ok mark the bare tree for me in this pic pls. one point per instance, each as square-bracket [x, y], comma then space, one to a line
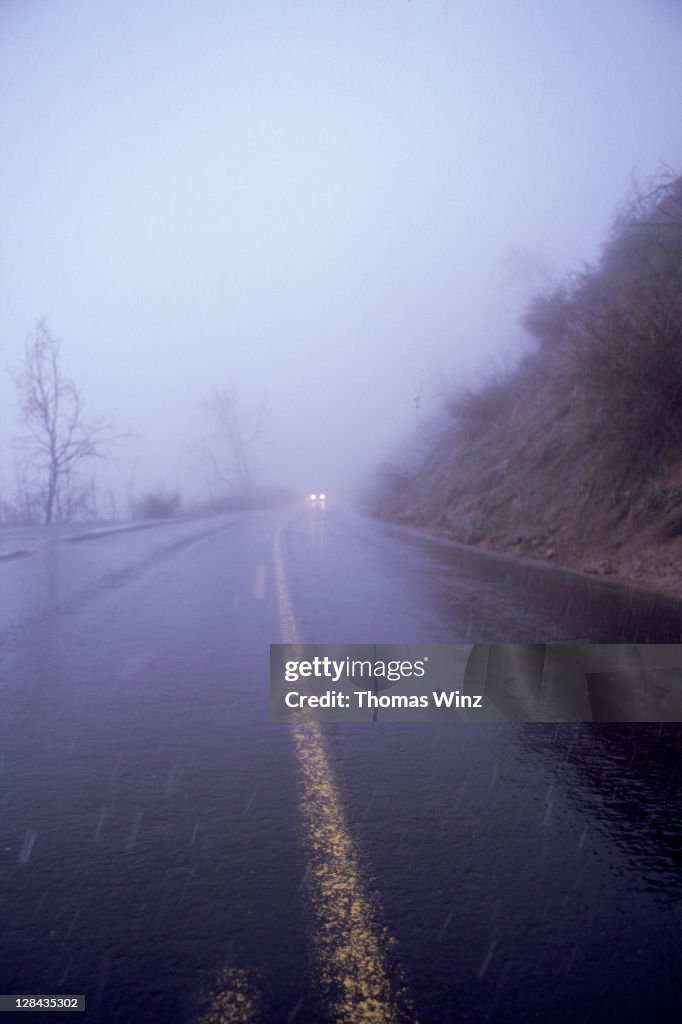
[57, 439]
[229, 453]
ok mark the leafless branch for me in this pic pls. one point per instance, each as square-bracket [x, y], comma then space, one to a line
[57, 438]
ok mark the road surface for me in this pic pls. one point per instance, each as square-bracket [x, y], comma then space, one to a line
[171, 853]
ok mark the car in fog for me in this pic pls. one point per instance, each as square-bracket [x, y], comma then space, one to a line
[317, 500]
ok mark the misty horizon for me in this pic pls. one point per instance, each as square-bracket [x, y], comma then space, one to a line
[335, 214]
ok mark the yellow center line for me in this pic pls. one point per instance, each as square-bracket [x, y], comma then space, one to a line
[349, 943]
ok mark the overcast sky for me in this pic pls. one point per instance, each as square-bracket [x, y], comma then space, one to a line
[323, 206]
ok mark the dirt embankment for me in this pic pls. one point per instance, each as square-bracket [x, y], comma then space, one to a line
[562, 512]
[574, 456]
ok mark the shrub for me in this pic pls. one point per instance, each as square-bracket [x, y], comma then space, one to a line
[476, 411]
[158, 505]
[628, 347]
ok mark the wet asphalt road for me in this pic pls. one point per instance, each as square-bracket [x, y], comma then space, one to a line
[153, 853]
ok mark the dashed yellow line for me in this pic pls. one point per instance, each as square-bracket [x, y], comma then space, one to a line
[287, 619]
[231, 996]
[349, 944]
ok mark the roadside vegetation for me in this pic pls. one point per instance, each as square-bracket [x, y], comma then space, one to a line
[575, 454]
[157, 504]
[59, 444]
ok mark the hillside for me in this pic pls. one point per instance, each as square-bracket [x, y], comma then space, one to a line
[575, 455]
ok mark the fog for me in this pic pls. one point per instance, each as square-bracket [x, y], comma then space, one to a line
[335, 211]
